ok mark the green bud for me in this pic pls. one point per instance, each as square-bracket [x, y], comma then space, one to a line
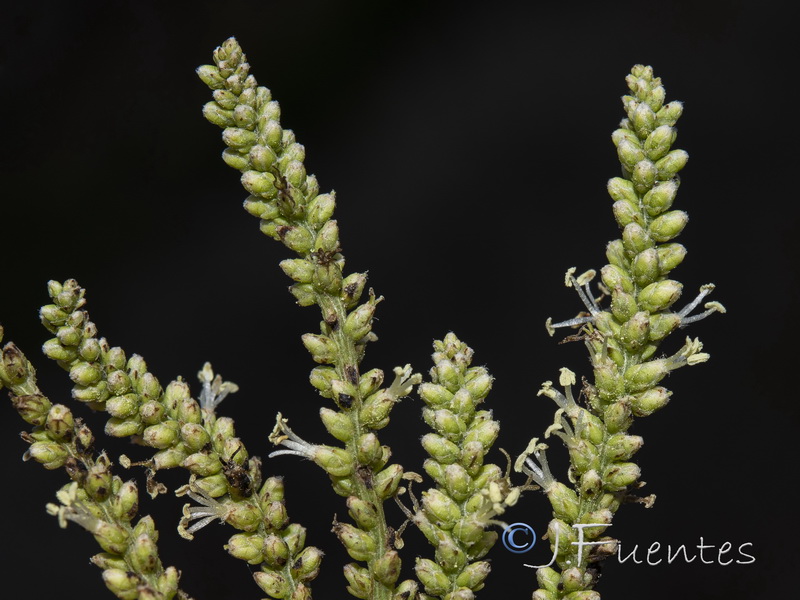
[386, 481]
[645, 267]
[432, 577]
[259, 184]
[359, 322]
[660, 295]
[104, 560]
[434, 395]
[673, 162]
[143, 554]
[670, 256]
[55, 351]
[661, 197]
[202, 464]
[244, 116]
[152, 412]
[473, 575]
[635, 238]
[359, 544]
[298, 269]
[89, 349]
[276, 517]
[188, 411]
[272, 490]
[615, 253]
[442, 510]
[69, 336]
[209, 74]
[608, 380]
[85, 374]
[376, 409]
[217, 115]
[564, 501]
[50, 455]
[615, 277]
[458, 482]
[625, 214]
[359, 579]
[619, 476]
[483, 545]
[440, 449]
[446, 423]
[471, 457]
[634, 333]
[194, 436]
[583, 455]
[641, 377]
[59, 422]
[243, 515]
[237, 138]
[572, 579]
[295, 173]
[661, 325]
[617, 416]
[622, 190]
[590, 483]
[487, 474]
[548, 578]
[322, 348]
[320, 210]
[122, 582]
[623, 305]
[328, 237]
[169, 458]
[34, 408]
[370, 382]
[111, 537]
[658, 143]
[668, 226]
[235, 159]
[649, 401]
[246, 546]
[583, 595]
[213, 485]
[276, 551]
[644, 175]
[386, 569]
[479, 383]
[643, 120]
[352, 288]
[368, 449]
[621, 447]
[338, 424]
[306, 566]
[125, 502]
[163, 435]
[335, 461]
[272, 582]
[565, 534]
[295, 537]
[669, 113]
[98, 480]
[118, 383]
[484, 432]
[364, 513]
[298, 239]
[322, 378]
[630, 154]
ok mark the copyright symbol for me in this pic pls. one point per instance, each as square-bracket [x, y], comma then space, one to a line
[516, 533]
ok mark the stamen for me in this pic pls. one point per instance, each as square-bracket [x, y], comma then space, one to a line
[214, 389]
[282, 435]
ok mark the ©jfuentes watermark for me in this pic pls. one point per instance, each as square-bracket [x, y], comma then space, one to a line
[520, 537]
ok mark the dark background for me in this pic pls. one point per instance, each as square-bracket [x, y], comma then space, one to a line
[469, 147]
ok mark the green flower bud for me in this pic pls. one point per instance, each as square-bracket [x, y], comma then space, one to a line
[442, 450]
[619, 476]
[168, 582]
[623, 305]
[473, 575]
[320, 210]
[359, 544]
[621, 447]
[328, 278]
[434, 395]
[328, 237]
[50, 455]
[209, 74]
[143, 554]
[622, 190]
[634, 333]
[625, 214]
[548, 578]
[188, 411]
[661, 197]
[89, 349]
[669, 113]
[276, 516]
[272, 582]
[615, 277]
[125, 502]
[483, 545]
[660, 295]
[673, 162]
[59, 422]
[645, 267]
[359, 579]
[432, 577]
[484, 432]
[298, 239]
[85, 374]
[608, 380]
[670, 256]
[479, 383]
[194, 436]
[235, 159]
[668, 226]
[649, 401]
[661, 325]
[368, 449]
[298, 269]
[486, 474]
[244, 116]
[152, 412]
[583, 455]
[295, 537]
[443, 511]
[352, 288]
[635, 238]
[644, 175]
[163, 435]
[458, 482]
[169, 458]
[322, 348]
[202, 464]
[643, 120]
[387, 568]
[583, 595]
[364, 513]
[306, 566]
[565, 534]
[98, 480]
[217, 115]
[375, 410]
[213, 485]
[564, 501]
[572, 579]
[34, 408]
[445, 422]
[335, 461]
[123, 407]
[295, 173]
[590, 483]
[338, 424]
[359, 322]
[640, 377]
[617, 416]
[321, 378]
[630, 154]
[386, 481]
[243, 515]
[276, 551]
[615, 253]
[69, 336]
[603, 515]
[55, 351]
[111, 537]
[658, 143]
[259, 184]
[122, 582]
[104, 560]
[237, 138]
[449, 555]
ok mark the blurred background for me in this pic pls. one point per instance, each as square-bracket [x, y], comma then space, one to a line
[469, 146]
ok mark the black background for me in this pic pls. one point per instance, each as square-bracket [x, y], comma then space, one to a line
[469, 147]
